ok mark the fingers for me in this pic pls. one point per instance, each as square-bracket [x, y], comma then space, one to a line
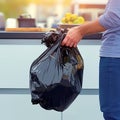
[75, 45]
[64, 41]
[69, 42]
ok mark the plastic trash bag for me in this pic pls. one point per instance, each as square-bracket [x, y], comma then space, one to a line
[56, 75]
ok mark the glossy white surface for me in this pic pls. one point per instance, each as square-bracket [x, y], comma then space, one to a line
[85, 107]
[15, 61]
[19, 107]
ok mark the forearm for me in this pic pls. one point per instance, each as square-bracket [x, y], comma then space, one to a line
[91, 28]
[75, 34]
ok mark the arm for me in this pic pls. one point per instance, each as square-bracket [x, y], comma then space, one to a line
[91, 27]
[109, 20]
[75, 34]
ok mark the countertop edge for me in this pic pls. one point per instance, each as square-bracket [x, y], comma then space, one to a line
[39, 35]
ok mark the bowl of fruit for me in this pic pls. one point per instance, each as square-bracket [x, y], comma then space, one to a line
[71, 20]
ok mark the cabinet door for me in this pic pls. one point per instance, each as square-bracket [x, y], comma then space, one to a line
[90, 54]
[19, 107]
[15, 61]
[85, 107]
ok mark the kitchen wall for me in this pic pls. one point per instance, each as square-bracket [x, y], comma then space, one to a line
[42, 12]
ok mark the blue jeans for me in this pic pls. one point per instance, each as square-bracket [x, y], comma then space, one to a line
[109, 87]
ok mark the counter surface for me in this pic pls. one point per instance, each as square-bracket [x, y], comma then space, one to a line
[37, 35]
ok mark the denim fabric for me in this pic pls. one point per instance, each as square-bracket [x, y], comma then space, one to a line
[109, 87]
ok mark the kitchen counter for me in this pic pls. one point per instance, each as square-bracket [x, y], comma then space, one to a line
[17, 52]
[27, 45]
[34, 38]
[21, 35]
[37, 35]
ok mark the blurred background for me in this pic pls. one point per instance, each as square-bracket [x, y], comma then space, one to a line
[46, 12]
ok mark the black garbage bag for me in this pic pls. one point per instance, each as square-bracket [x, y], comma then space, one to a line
[56, 75]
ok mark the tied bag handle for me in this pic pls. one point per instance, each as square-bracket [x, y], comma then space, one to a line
[51, 49]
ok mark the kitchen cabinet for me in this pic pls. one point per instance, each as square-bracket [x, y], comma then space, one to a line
[19, 107]
[85, 107]
[17, 52]
[15, 61]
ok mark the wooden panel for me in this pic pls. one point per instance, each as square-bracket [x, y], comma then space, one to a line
[27, 29]
[101, 6]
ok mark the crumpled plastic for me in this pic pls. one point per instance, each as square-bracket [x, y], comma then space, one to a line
[56, 76]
